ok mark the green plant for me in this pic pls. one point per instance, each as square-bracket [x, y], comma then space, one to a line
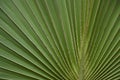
[60, 39]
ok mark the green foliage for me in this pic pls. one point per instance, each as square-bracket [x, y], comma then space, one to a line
[60, 39]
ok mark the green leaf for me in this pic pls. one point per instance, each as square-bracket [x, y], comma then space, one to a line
[59, 39]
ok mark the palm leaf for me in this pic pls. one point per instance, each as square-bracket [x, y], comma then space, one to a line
[59, 39]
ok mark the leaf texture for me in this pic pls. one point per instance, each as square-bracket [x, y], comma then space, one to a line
[59, 39]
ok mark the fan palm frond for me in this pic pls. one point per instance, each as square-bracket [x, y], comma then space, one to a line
[59, 39]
